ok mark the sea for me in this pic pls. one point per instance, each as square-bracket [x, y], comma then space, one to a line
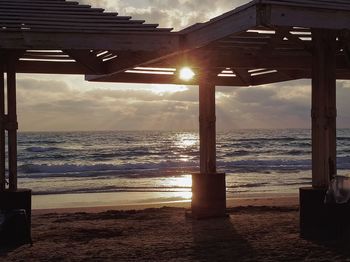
[158, 165]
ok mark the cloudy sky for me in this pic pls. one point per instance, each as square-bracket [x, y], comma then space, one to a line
[56, 103]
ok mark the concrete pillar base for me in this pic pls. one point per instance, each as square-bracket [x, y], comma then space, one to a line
[19, 199]
[208, 195]
[320, 221]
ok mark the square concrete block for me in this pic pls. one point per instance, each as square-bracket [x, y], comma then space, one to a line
[208, 195]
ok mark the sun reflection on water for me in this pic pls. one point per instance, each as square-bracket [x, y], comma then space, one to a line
[183, 183]
[186, 140]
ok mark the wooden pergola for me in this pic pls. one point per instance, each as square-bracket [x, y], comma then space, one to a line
[63, 37]
[264, 41]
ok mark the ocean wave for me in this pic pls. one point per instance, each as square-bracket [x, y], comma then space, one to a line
[40, 149]
[248, 185]
[108, 189]
[65, 168]
[262, 165]
[171, 167]
[276, 139]
[126, 168]
[296, 152]
[238, 153]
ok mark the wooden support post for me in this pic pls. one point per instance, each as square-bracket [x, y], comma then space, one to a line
[324, 111]
[207, 125]
[2, 130]
[12, 125]
[208, 186]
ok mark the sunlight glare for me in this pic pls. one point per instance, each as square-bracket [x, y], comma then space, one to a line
[186, 140]
[186, 74]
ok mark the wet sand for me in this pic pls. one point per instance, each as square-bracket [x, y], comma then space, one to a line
[257, 229]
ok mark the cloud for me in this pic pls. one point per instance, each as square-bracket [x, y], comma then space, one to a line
[176, 14]
[54, 105]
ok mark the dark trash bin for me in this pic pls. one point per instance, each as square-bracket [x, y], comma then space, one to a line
[14, 227]
[320, 220]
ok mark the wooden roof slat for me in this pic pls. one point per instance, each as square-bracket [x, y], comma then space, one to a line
[43, 53]
[75, 25]
[40, 4]
[40, 15]
[45, 8]
[68, 20]
[55, 11]
[48, 17]
[58, 6]
[32, 57]
[86, 31]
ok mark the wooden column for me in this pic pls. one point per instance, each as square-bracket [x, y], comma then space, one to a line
[208, 186]
[207, 125]
[12, 125]
[2, 130]
[324, 111]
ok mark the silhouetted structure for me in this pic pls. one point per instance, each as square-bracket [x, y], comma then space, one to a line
[60, 37]
[264, 41]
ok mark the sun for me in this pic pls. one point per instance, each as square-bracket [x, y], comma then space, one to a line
[186, 74]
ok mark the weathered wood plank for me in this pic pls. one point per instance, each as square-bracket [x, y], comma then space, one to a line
[12, 125]
[220, 28]
[306, 17]
[323, 109]
[122, 41]
[41, 67]
[2, 129]
[207, 123]
[321, 4]
[30, 17]
[95, 16]
[106, 31]
[160, 79]
[92, 64]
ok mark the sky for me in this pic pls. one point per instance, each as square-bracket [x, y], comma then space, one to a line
[68, 103]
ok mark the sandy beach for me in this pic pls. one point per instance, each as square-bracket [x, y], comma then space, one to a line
[257, 229]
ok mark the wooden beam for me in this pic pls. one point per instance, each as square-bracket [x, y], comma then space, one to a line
[160, 79]
[247, 60]
[243, 75]
[12, 124]
[276, 77]
[323, 109]
[46, 67]
[92, 64]
[123, 41]
[127, 60]
[207, 123]
[2, 130]
[304, 16]
[221, 27]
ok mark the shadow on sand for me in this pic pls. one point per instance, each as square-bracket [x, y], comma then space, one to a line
[218, 240]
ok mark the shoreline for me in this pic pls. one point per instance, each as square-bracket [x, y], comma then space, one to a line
[251, 199]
